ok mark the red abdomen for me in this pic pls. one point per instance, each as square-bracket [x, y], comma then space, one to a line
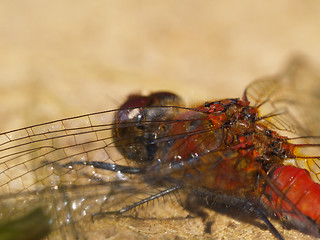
[299, 188]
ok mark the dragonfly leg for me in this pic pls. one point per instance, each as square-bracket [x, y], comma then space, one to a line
[139, 203]
[251, 208]
[194, 206]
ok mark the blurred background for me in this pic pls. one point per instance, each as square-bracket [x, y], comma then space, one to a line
[64, 58]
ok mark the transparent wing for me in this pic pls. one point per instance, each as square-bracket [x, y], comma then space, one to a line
[32, 167]
[293, 95]
[36, 170]
[33, 157]
[289, 103]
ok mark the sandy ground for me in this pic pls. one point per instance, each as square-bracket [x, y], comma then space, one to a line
[63, 58]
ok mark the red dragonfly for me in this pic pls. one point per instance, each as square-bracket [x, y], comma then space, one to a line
[259, 154]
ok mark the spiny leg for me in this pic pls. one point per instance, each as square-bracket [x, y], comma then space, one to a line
[139, 203]
[194, 206]
[251, 208]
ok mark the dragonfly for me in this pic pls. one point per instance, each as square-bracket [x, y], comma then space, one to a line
[259, 154]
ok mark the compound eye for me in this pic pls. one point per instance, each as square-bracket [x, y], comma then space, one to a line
[165, 98]
[155, 99]
[132, 108]
[136, 106]
[136, 101]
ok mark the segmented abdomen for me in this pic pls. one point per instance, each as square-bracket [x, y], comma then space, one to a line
[299, 188]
